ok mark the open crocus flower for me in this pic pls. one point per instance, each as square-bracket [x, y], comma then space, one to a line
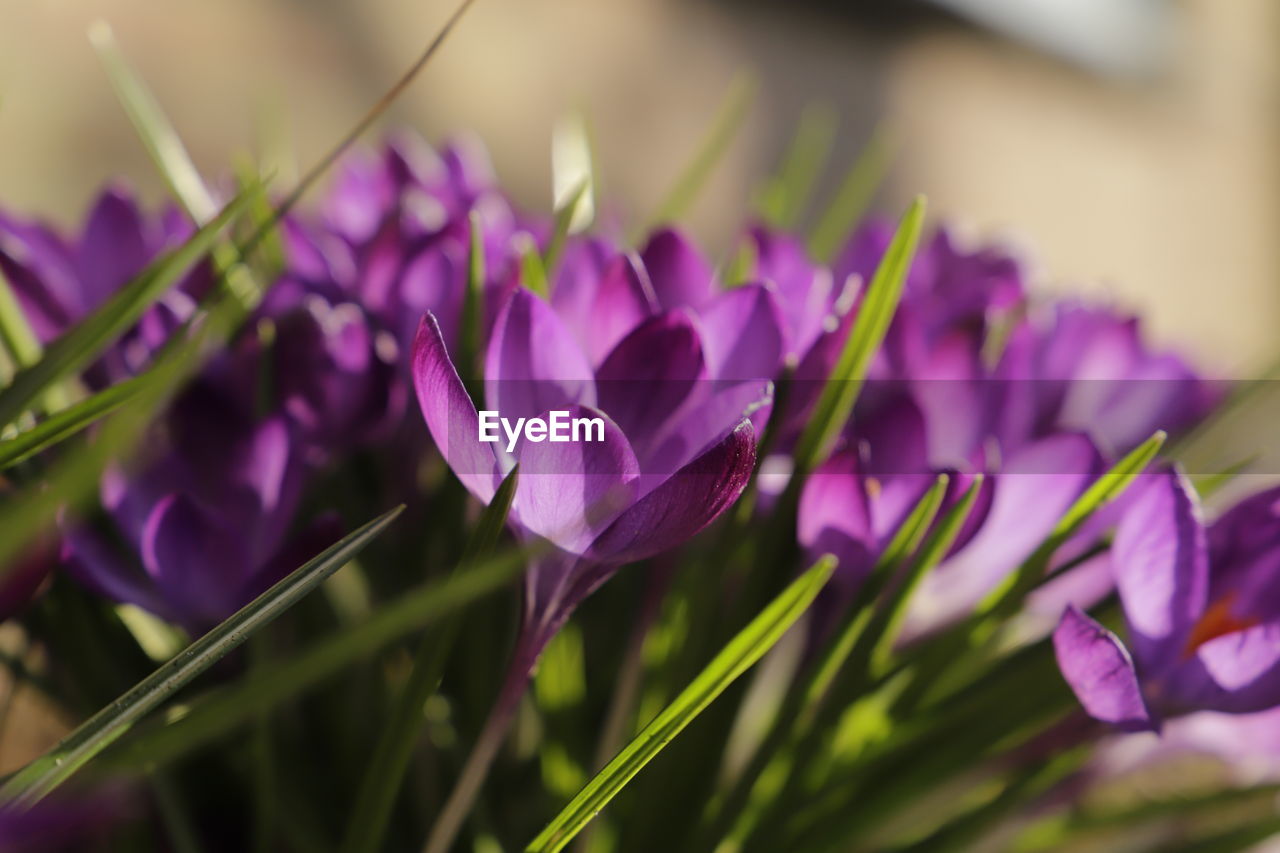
[673, 449]
[1201, 607]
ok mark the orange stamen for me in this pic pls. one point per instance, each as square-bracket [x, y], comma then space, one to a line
[1217, 621]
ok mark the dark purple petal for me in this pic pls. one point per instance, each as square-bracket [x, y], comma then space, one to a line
[698, 426]
[450, 415]
[645, 381]
[1098, 668]
[113, 248]
[198, 564]
[691, 499]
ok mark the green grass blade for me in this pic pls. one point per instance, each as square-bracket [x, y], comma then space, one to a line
[382, 780]
[724, 128]
[852, 199]
[171, 159]
[736, 658]
[1006, 598]
[879, 303]
[533, 274]
[153, 127]
[46, 773]
[237, 705]
[68, 422]
[16, 334]
[90, 336]
[564, 217]
[782, 199]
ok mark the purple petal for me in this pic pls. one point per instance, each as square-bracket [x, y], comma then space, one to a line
[1031, 493]
[571, 490]
[704, 423]
[195, 562]
[743, 334]
[834, 517]
[100, 568]
[533, 365]
[1242, 668]
[114, 247]
[1099, 671]
[1161, 568]
[806, 292]
[645, 381]
[450, 415]
[691, 499]
[681, 277]
[624, 299]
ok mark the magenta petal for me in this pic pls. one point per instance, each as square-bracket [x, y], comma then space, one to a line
[1161, 569]
[451, 416]
[533, 365]
[570, 491]
[91, 561]
[691, 499]
[743, 334]
[704, 423]
[1100, 672]
[681, 277]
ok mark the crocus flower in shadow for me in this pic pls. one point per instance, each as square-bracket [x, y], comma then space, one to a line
[1201, 607]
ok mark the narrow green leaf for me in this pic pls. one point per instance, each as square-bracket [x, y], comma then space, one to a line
[171, 159]
[68, 421]
[40, 777]
[737, 814]
[236, 705]
[532, 274]
[153, 127]
[377, 796]
[16, 334]
[736, 658]
[87, 339]
[852, 199]
[878, 305]
[1006, 597]
[891, 610]
[564, 216]
[724, 127]
[782, 199]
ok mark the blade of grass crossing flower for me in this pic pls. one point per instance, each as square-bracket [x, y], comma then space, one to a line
[1007, 597]
[782, 199]
[891, 609]
[736, 658]
[853, 198]
[237, 704]
[368, 825]
[879, 304]
[724, 127]
[31, 784]
[19, 342]
[733, 819]
[88, 338]
[68, 421]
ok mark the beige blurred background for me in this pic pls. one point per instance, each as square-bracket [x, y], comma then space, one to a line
[1146, 171]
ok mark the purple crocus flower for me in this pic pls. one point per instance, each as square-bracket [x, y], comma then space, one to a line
[676, 448]
[1201, 607]
[206, 522]
[59, 281]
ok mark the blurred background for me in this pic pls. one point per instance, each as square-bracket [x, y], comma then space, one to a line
[1128, 147]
